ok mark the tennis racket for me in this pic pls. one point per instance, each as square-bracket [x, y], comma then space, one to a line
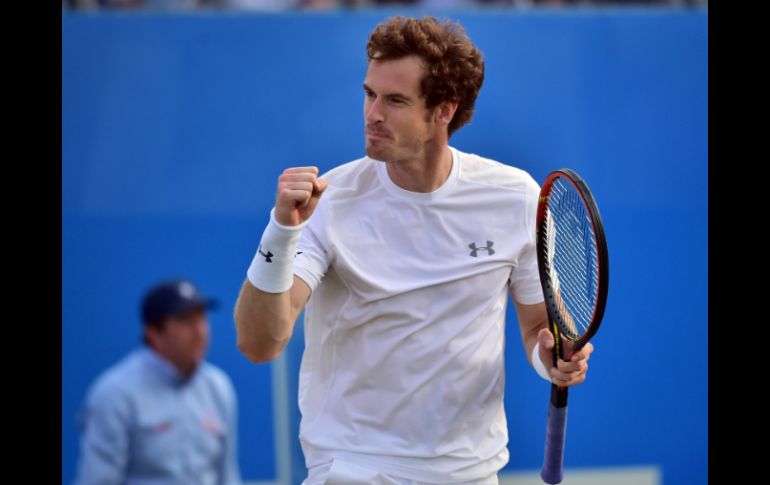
[573, 263]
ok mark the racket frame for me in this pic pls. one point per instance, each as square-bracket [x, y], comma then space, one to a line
[603, 261]
[553, 462]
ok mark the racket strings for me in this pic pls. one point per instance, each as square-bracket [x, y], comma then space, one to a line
[572, 257]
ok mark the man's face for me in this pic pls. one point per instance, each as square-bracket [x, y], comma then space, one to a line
[183, 339]
[398, 125]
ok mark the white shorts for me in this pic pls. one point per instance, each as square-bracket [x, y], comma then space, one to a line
[340, 472]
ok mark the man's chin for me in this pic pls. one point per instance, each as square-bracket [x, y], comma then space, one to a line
[375, 153]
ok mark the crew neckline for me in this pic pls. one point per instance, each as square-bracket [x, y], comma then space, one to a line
[444, 189]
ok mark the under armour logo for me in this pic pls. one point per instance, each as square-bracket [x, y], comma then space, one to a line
[267, 256]
[487, 248]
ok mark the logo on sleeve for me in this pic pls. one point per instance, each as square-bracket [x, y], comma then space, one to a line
[475, 249]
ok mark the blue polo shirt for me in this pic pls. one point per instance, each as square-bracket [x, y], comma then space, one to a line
[144, 424]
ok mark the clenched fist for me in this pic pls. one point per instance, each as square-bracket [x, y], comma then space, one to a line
[299, 190]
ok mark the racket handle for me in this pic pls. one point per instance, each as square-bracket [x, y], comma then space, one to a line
[553, 462]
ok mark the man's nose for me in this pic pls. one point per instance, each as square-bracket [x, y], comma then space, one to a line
[373, 111]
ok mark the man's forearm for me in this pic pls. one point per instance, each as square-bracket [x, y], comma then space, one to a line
[264, 322]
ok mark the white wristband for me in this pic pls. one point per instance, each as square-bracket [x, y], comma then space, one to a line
[272, 269]
[538, 364]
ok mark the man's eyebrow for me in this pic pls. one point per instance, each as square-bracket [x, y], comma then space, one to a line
[390, 95]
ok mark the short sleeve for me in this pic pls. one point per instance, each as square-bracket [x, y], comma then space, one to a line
[312, 259]
[525, 277]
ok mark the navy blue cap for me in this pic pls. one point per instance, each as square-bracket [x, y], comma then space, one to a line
[172, 298]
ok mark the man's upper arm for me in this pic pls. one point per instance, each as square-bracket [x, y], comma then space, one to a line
[312, 260]
[531, 318]
[104, 441]
[299, 294]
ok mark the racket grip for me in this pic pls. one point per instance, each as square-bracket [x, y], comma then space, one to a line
[553, 462]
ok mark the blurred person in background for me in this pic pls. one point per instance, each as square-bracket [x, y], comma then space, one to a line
[163, 415]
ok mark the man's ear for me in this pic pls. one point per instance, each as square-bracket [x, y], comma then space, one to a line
[151, 335]
[445, 112]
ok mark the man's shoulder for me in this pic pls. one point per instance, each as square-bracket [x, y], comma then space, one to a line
[352, 176]
[348, 168]
[486, 171]
[217, 378]
[214, 372]
[118, 381]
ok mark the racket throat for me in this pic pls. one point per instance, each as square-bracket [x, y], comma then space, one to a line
[558, 396]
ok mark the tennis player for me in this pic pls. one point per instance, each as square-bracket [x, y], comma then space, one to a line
[405, 259]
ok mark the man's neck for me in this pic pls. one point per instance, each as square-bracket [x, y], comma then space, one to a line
[423, 175]
[184, 371]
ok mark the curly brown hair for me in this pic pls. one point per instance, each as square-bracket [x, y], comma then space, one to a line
[455, 67]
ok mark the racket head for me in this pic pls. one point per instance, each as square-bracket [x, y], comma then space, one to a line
[572, 256]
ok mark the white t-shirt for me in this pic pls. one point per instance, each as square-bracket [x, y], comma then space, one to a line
[404, 331]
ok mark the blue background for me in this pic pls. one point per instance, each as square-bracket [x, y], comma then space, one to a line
[175, 128]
